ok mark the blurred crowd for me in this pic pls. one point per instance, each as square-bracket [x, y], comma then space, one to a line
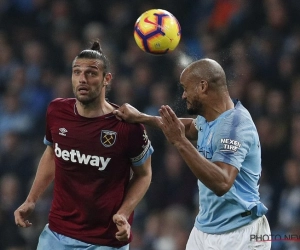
[258, 44]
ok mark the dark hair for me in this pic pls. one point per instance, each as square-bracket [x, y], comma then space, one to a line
[95, 52]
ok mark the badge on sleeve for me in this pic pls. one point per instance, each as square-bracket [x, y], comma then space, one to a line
[230, 145]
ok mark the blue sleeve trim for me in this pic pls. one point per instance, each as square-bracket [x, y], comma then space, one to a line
[146, 155]
[46, 142]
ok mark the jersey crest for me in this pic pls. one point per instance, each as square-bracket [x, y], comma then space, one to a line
[108, 138]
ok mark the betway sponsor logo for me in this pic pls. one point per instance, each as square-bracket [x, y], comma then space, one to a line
[76, 156]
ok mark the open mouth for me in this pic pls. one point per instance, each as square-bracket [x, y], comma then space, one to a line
[83, 90]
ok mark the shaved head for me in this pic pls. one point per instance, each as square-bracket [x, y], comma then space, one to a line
[204, 88]
[205, 69]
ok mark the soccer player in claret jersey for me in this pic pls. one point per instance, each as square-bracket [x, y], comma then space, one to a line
[101, 165]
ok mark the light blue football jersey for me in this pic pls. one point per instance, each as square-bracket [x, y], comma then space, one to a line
[233, 139]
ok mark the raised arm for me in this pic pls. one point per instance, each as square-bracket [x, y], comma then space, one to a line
[130, 114]
[217, 176]
[44, 176]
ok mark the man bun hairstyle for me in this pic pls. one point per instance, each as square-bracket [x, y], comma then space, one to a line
[96, 46]
[95, 52]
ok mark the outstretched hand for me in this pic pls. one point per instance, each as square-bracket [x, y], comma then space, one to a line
[171, 126]
[22, 213]
[127, 113]
[123, 226]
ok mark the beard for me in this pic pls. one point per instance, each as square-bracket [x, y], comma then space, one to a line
[88, 99]
[196, 108]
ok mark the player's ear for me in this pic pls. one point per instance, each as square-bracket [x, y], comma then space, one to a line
[107, 78]
[203, 85]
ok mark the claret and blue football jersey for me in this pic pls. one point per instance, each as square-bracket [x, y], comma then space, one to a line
[93, 158]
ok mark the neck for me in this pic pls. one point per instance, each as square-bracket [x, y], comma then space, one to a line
[219, 107]
[93, 109]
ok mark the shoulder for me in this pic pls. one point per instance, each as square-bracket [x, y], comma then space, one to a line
[135, 127]
[237, 123]
[134, 132]
[61, 103]
[239, 116]
[241, 110]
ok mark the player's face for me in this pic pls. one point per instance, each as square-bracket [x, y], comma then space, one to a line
[87, 80]
[190, 95]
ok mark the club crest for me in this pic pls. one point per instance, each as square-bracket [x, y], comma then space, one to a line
[108, 138]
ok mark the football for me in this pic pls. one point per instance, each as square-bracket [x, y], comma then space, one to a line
[157, 32]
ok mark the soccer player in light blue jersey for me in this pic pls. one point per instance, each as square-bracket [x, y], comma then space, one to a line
[226, 162]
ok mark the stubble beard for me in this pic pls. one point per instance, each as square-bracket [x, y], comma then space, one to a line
[89, 99]
[196, 108]
[86, 101]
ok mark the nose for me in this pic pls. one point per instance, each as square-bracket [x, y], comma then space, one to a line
[183, 95]
[82, 78]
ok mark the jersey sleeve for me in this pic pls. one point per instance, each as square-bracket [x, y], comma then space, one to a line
[48, 136]
[233, 141]
[139, 145]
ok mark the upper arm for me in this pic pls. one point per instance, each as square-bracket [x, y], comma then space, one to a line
[47, 163]
[190, 130]
[234, 141]
[140, 151]
[48, 155]
[230, 172]
[139, 146]
[44, 175]
[144, 169]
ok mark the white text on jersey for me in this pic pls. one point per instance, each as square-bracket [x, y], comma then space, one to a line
[76, 156]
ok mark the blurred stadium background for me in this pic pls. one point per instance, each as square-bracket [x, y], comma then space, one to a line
[258, 44]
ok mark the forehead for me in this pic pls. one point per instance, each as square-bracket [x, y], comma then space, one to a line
[87, 63]
[184, 77]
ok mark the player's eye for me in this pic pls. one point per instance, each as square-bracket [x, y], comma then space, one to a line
[92, 73]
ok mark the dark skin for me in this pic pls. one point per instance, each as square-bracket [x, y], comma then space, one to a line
[206, 94]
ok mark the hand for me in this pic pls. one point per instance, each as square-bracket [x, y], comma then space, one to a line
[127, 113]
[171, 126]
[22, 213]
[123, 226]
